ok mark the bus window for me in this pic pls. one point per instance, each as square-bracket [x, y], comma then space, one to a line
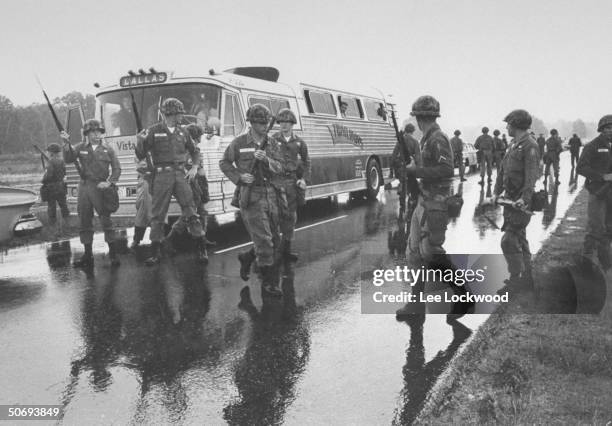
[375, 111]
[273, 104]
[354, 109]
[201, 103]
[233, 123]
[320, 102]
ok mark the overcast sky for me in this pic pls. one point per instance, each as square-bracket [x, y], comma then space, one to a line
[480, 58]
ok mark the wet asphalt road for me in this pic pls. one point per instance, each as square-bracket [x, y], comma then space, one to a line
[170, 343]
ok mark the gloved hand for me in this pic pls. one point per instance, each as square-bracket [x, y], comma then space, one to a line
[104, 185]
[301, 183]
[191, 174]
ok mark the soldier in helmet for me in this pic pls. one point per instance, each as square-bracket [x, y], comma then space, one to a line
[554, 147]
[255, 170]
[169, 144]
[457, 145]
[53, 180]
[484, 144]
[411, 146]
[574, 146]
[499, 149]
[595, 164]
[516, 181]
[95, 158]
[295, 176]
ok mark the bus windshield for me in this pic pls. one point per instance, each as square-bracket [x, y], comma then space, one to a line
[201, 102]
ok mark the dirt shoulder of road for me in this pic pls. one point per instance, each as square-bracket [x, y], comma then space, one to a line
[534, 368]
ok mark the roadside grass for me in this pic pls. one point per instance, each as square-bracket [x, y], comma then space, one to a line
[534, 368]
[20, 169]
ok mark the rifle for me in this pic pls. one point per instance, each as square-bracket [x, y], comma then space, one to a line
[60, 129]
[408, 183]
[247, 188]
[43, 156]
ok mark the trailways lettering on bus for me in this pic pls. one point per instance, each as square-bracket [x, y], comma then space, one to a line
[342, 134]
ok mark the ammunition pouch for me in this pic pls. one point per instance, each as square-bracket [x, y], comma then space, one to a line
[539, 200]
[454, 204]
[236, 197]
[110, 199]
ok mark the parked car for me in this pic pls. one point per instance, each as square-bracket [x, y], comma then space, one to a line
[470, 158]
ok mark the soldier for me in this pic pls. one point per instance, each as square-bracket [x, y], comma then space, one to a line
[295, 176]
[595, 164]
[457, 145]
[484, 144]
[541, 145]
[253, 170]
[94, 158]
[143, 203]
[411, 146]
[199, 187]
[516, 180]
[53, 180]
[169, 144]
[499, 149]
[574, 146]
[554, 148]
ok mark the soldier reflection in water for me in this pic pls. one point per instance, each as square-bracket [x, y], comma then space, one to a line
[150, 322]
[272, 364]
[420, 376]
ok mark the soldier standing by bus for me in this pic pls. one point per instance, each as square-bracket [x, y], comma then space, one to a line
[294, 179]
[484, 144]
[457, 145]
[253, 169]
[143, 203]
[516, 181]
[595, 164]
[94, 158]
[169, 144]
[53, 180]
[554, 148]
[411, 146]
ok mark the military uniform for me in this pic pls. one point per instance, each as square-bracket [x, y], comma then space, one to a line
[292, 151]
[53, 180]
[411, 146]
[143, 203]
[499, 149]
[574, 146]
[554, 148]
[430, 217]
[541, 145]
[594, 163]
[95, 162]
[258, 205]
[516, 179]
[457, 146]
[484, 144]
[168, 150]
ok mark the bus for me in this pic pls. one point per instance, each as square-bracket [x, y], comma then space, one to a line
[350, 152]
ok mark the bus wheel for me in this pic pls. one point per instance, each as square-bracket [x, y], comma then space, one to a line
[372, 179]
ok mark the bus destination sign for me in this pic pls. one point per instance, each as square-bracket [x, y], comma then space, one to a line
[140, 79]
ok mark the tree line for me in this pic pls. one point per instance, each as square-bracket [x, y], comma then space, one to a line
[21, 127]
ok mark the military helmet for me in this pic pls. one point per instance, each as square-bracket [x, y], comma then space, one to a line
[258, 113]
[195, 131]
[54, 148]
[172, 106]
[496, 132]
[409, 128]
[606, 120]
[485, 129]
[91, 125]
[426, 106]
[286, 114]
[554, 132]
[519, 118]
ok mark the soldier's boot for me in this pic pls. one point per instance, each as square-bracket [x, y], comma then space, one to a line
[112, 254]
[246, 260]
[156, 255]
[287, 254]
[269, 281]
[202, 252]
[86, 260]
[139, 232]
